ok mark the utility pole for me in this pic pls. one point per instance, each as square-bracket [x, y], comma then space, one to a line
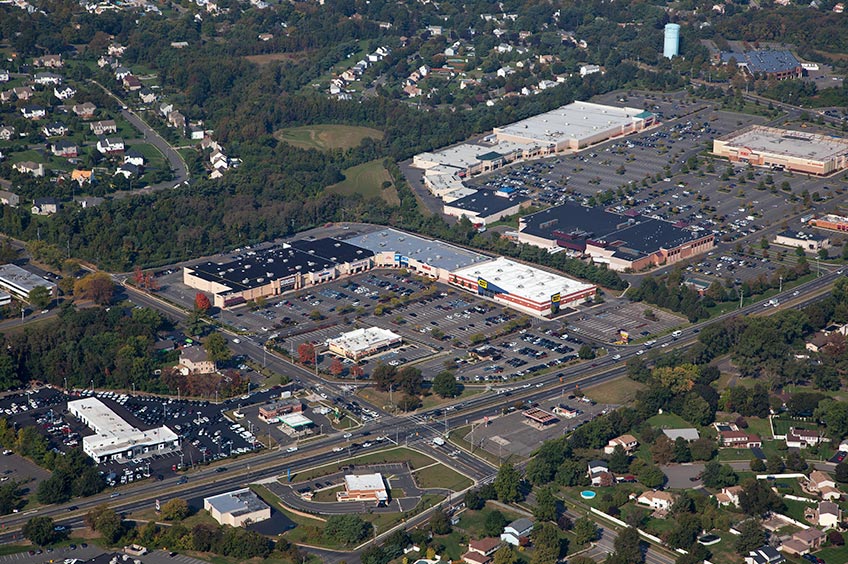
[781, 284]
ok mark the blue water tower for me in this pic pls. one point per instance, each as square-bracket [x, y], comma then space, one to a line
[671, 45]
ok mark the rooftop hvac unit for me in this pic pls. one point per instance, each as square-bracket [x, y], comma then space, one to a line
[260, 280]
[269, 275]
[270, 260]
[337, 245]
[245, 281]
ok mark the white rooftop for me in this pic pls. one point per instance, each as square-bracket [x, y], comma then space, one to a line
[364, 339]
[23, 279]
[522, 280]
[689, 434]
[295, 420]
[577, 120]
[112, 432]
[788, 143]
[367, 482]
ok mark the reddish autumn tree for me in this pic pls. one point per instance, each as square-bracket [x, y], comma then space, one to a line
[150, 281]
[201, 302]
[356, 371]
[139, 277]
[306, 353]
[336, 367]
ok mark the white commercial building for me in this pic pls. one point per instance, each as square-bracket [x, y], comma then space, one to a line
[360, 343]
[364, 487]
[575, 126]
[20, 282]
[114, 438]
[237, 508]
[522, 287]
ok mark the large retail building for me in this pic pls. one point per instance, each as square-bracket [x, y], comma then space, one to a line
[623, 242]
[784, 149]
[525, 288]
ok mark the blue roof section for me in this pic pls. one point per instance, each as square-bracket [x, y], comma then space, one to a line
[763, 61]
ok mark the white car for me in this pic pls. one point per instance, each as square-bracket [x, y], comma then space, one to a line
[347, 435]
[291, 449]
[338, 449]
[616, 357]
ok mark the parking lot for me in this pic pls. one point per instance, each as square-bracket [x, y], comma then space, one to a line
[606, 322]
[512, 433]
[206, 434]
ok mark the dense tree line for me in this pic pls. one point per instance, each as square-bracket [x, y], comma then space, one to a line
[113, 348]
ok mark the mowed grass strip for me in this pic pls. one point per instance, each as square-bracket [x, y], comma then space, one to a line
[327, 137]
[366, 179]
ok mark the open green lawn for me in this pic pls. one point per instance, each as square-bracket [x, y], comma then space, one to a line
[473, 522]
[367, 179]
[620, 391]
[153, 157]
[427, 471]
[669, 421]
[327, 137]
[834, 554]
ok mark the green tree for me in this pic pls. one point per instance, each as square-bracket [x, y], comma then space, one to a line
[440, 523]
[586, 352]
[505, 555]
[217, 348]
[842, 472]
[834, 414]
[346, 529]
[195, 325]
[10, 497]
[628, 549]
[619, 462]
[445, 385]
[546, 505]
[40, 297]
[757, 498]
[717, 475]
[585, 531]
[105, 521]
[548, 547]
[175, 510]
[703, 449]
[682, 454]
[751, 536]
[494, 523]
[651, 476]
[40, 531]
[775, 464]
[508, 484]
[662, 451]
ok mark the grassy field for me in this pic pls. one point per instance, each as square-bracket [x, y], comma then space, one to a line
[428, 402]
[327, 137]
[266, 58]
[473, 522]
[367, 179]
[432, 474]
[153, 157]
[669, 421]
[620, 391]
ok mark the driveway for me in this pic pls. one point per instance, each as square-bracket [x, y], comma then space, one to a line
[679, 475]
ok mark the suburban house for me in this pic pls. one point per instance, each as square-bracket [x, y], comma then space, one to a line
[82, 176]
[85, 110]
[729, 496]
[803, 542]
[110, 145]
[481, 551]
[656, 500]
[49, 61]
[476, 558]
[132, 83]
[823, 484]
[45, 206]
[599, 473]
[177, 120]
[194, 360]
[740, 439]
[486, 546]
[64, 149]
[55, 129]
[127, 170]
[4, 75]
[818, 342]
[29, 167]
[802, 438]
[518, 532]
[627, 442]
[147, 95]
[33, 112]
[122, 72]
[765, 555]
[688, 434]
[103, 127]
[166, 108]
[47, 78]
[827, 515]
[196, 133]
[9, 198]
[64, 92]
[133, 156]
[23, 92]
[6, 132]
